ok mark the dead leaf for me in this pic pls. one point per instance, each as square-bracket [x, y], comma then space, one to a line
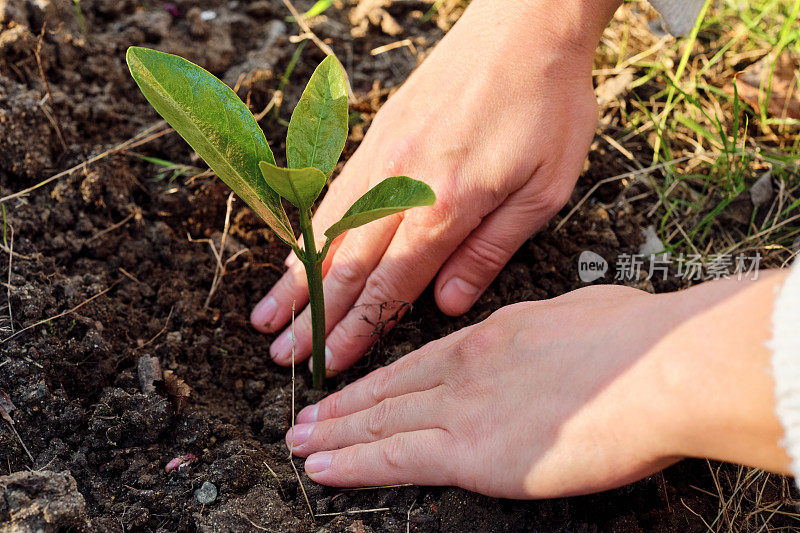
[177, 390]
[752, 84]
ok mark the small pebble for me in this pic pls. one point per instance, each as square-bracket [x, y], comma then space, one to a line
[206, 494]
[208, 15]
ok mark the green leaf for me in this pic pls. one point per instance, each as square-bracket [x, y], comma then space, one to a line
[316, 9]
[318, 127]
[390, 196]
[301, 186]
[216, 124]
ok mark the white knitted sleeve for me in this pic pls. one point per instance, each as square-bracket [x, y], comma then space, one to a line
[785, 347]
[679, 15]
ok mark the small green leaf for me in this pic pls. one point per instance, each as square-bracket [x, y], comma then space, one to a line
[301, 186]
[318, 127]
[390, 196]
[216, 124]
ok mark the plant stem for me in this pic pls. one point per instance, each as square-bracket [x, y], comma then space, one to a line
[316, 298]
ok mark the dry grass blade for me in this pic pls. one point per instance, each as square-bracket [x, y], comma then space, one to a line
[408, 516]
[277, 479]
[37, 53]
[393, 46]
[356, 511]
[276, 100]
[160, 332]
[10, 246]
[352, 489]
[111, 228]
[291, 459]
[222, 265]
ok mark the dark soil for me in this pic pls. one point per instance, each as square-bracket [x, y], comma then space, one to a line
[100, 444]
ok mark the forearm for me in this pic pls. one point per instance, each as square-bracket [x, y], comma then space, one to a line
[716, 368]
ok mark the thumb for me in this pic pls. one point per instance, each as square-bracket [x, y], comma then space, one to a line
[484, 253]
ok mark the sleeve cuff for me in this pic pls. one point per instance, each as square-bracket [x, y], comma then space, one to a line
[679, 15]
[785, 347]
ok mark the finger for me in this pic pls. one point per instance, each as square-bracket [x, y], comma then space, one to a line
[402, 274]
[349, 267]
[419, 457]
[481, 257]
[418, 371]
[409, 412]
[275, 309]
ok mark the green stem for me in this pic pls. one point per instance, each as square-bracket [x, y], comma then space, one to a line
[316, 298]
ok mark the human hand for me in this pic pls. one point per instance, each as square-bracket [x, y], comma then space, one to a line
[582, 393]
[498, 124]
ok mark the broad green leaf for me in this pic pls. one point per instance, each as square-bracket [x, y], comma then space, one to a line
[301, 186]
[318, 128]
[390, 196]
[216, 124]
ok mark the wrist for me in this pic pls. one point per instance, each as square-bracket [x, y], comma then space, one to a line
[717, 373]
[568, 28]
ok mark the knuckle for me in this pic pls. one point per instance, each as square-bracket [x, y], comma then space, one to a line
[347, 269]
[481, 340]
[378, 389]
[485, 253]
[344, 341]
[380, 288]
[331, 406]
[399, 155]
[393, 452]
[554, 196]
[377, 418]
[324, 432]
[434, 221]
[346, 463]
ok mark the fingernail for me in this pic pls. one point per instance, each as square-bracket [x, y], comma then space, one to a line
[298, 435]
[264, 312]
[318, 462]
[308, 414]
[460, 293]
[281, 348]
[291, 260]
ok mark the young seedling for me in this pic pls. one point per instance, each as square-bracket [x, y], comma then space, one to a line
[220, 128]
